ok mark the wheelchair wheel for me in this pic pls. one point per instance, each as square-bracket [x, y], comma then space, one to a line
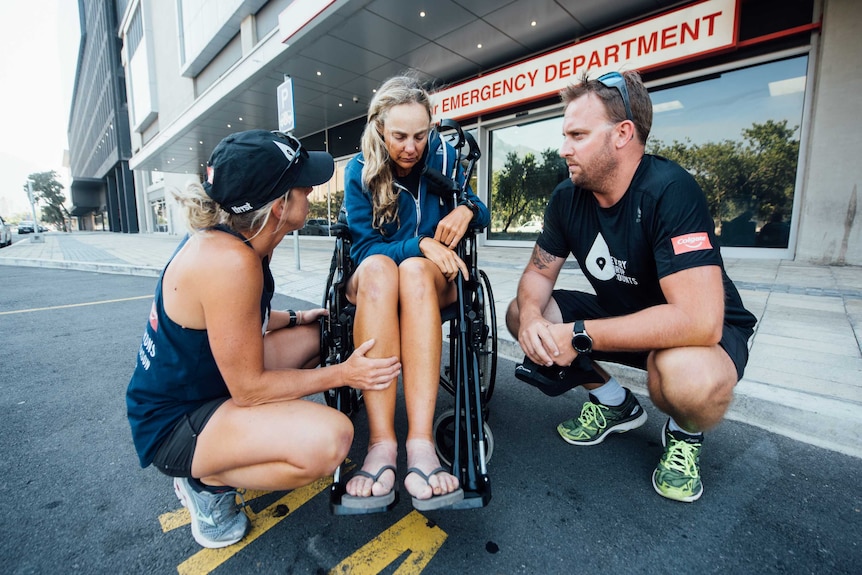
[444, 438]
[484, 340]
[486, 346]
[336, 330]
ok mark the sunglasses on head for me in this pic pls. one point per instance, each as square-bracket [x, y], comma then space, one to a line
[296, 148]
[615, 80]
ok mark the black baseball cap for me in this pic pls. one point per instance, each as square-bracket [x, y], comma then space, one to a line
[247, 170]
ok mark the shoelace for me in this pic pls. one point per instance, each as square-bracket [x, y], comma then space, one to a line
[592, 416]
[229, 507]
[681, 456]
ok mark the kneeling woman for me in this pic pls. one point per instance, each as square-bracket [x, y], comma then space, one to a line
[403, 242]
[215, 399]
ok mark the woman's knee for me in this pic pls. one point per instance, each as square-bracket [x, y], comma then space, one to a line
[332, 443]
[376, 278]
[417, 279]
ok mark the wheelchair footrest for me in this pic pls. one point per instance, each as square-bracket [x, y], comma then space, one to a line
[475, 498]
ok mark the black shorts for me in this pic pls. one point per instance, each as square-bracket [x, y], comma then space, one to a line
[576, 305]
[175, 454]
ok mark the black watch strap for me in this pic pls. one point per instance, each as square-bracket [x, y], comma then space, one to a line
[581, 341]
[470, 204]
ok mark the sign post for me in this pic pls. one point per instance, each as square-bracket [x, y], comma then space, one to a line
[37, 235]
[286, 124]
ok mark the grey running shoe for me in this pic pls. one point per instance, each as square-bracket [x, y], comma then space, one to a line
[677, 475]
[217, 520]
[597, 421]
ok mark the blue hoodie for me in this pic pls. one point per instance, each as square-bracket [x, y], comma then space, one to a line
[418, 217]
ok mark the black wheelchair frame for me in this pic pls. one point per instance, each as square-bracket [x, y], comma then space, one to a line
[463, 439]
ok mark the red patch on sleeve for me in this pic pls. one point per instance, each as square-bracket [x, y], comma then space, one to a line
[691, 243]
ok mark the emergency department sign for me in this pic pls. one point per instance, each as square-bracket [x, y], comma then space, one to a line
[284, 94]
[693, 31]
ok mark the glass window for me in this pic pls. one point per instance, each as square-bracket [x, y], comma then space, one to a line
[160, 216]
[738, 134]
[525, 166]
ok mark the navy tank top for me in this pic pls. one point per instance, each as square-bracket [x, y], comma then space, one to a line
[175, 371]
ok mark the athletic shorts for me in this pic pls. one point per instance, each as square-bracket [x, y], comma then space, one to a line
[576, 305]
[175, 454]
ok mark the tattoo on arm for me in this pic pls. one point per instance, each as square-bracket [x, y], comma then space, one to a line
[541, 258]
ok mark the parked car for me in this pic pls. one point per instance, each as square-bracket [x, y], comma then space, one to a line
[5, 234]
[315, 227]
[531, 227]
[26, 227]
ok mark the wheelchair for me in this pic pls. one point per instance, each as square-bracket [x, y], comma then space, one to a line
[462, 437]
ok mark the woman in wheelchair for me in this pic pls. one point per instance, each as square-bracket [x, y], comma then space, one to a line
[403, 241]
[215, 398]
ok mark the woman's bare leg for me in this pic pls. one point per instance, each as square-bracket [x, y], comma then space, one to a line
[374, 289]
[423, 292]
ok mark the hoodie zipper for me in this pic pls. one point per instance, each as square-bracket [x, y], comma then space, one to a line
[416, 202]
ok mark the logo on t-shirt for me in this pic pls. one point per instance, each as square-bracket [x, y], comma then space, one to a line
[154, 317]
[599, 260]
[603, 266]
[691, 243]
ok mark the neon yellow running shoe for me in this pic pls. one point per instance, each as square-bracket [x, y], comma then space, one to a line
[677, 475]
[597, 421]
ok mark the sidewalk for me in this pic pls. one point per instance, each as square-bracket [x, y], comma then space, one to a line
[803, 380]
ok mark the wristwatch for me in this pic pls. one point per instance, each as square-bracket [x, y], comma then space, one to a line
[470, 204]
[581, 340]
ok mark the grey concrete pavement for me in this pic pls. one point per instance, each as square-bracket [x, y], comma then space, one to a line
[803, 380]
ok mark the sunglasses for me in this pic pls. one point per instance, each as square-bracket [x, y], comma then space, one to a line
[616, 80]
[295, 146]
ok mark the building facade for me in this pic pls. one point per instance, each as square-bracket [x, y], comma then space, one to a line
[102, 189]
[754, 97]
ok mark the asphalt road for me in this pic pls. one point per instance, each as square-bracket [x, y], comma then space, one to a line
[75, 499]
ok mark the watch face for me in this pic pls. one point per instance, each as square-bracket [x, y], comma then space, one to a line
[582, 343]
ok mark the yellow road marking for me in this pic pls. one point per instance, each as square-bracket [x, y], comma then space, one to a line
[414, 534]
[206, 560]
[76, 304]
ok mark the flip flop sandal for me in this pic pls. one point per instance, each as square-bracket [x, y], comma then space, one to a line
[359, 502]
[435, 501]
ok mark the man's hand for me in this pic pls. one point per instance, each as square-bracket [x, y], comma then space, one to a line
[367, 373]
[547, 343]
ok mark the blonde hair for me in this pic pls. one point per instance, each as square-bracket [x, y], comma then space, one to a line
[203, 213]
[377, 172]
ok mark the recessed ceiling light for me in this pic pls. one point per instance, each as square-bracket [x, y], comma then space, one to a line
[533, 23]
[190, 147]
[422, 14]
[340, 105]
[319, 73]
[478, 45]
[200, 141]
[228, 125]
[240, 118]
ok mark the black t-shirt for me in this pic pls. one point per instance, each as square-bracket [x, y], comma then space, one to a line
[660, 226]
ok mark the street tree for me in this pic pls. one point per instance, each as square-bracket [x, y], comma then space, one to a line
[524, 184]
[49, 191]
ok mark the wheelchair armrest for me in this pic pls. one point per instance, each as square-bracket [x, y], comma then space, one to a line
[340, 229]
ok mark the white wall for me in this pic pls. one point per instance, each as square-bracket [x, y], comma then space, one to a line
[830, 229]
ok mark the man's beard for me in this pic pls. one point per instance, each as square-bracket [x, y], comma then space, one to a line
[595, 175]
